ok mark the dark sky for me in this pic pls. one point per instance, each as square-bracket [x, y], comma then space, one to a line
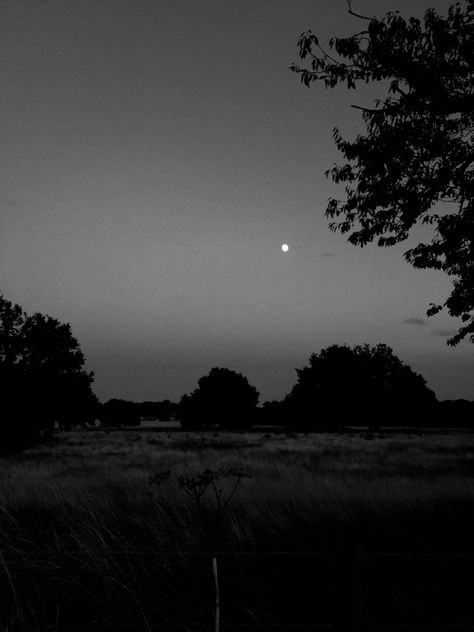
[155, 156]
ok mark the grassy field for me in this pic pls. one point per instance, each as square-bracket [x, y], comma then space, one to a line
[86, 540]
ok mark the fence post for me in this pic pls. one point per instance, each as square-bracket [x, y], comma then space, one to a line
[216, 595]
[353, 588]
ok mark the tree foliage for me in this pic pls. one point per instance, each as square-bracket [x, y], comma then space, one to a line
[42, 377]
[119, 412]
[417, 152]
[222, 397]
[345, 385]
[162, 410]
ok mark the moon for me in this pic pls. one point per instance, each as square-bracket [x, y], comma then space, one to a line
[285, 247]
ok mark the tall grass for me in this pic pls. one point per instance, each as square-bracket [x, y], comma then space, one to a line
[85, 538]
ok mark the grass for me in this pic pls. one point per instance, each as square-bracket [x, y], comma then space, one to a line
[85, 539]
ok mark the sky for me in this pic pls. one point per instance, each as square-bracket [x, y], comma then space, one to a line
[155, 154]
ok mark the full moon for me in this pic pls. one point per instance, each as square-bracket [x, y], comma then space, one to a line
[285, 247]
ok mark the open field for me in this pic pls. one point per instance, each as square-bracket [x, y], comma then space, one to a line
[85, 539]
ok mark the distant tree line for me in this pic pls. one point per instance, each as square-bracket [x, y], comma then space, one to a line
[45, 386]
[121, 412]
[341, 386]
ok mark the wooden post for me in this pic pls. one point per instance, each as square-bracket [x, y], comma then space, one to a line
[216, 595]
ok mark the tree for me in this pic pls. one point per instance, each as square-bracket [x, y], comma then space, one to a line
[276, 413]
[223, 397]
[162, 411]
[42, 376]
[455, 413]
[119, 412]
[417, 151]
[345, 385]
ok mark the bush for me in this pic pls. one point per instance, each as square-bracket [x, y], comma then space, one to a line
[119, 412]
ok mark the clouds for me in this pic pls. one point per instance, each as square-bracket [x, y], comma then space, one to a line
[420, 322]
[414, 321]
[444, 333]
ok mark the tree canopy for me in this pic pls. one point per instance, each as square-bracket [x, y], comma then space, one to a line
[42, 376]
[119, 412]
[222, 397]
[415, 163]
[344, 385]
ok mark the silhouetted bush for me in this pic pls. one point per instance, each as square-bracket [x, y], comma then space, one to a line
[119, 412]
[360, 385]
[162, 411]
[276, 413]
[454, 413]
[42, 377]
[223, 398]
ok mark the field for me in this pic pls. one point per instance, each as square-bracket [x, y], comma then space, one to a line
[87, 541]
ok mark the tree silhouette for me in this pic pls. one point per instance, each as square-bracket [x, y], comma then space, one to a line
[119, 412]
[418, 148]
[42, 377]
[223, 397]
[164, 410]
[367, 385]
[276, 413]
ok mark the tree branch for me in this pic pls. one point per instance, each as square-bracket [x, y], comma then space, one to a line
[370, 110]
[400, 91]
[336, 61]
[357, 15]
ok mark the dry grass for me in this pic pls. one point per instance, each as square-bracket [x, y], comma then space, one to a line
[84, 536]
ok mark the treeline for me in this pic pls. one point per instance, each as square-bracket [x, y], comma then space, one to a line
[341, 386]
[116, 413]
[121, 412]
[44, 386]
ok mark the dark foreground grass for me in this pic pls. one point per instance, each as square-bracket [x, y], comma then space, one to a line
[85, 540]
